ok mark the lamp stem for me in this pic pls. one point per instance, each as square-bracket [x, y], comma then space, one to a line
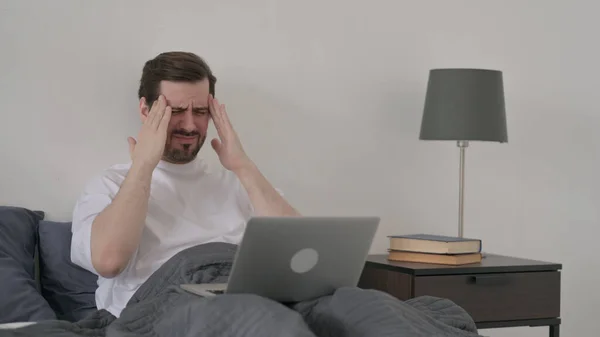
[462, 144]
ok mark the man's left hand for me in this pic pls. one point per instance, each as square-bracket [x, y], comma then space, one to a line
[228, 147]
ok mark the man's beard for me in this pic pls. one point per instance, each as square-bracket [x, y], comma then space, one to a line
[185, 155]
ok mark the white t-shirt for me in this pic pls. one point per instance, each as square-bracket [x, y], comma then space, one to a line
[188, 206]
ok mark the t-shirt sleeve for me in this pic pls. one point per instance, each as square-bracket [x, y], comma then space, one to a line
[97, 195]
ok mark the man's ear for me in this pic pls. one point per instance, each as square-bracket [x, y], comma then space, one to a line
[144, 109]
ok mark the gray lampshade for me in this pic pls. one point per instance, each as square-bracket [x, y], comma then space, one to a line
[464, 104]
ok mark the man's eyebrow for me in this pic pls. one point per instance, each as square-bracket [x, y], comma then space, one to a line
[179, 107]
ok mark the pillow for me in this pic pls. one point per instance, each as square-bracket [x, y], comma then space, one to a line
[20, 300]
[68, 288]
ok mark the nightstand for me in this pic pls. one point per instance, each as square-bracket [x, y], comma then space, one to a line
[499, 292]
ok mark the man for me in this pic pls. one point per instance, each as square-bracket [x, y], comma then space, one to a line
[134, 217]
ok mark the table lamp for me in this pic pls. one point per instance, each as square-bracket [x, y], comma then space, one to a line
[464, 105]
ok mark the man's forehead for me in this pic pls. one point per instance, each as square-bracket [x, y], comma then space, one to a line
[183, 94]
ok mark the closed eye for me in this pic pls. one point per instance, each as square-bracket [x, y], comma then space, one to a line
[196, 111]
[200, 111]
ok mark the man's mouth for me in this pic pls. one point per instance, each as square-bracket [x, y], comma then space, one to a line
[185, 139]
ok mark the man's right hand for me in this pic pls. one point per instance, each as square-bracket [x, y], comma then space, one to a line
[150, 145]
[117, 230]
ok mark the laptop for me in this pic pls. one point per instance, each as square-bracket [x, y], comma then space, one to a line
[294, 259]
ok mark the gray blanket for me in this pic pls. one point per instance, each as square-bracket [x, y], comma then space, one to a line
[160, 308]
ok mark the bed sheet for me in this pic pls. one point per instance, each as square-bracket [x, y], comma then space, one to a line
[9, 326]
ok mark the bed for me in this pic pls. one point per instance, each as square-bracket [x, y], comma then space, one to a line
[42, 292]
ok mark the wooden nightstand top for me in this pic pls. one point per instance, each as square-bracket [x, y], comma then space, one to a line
[491, 263]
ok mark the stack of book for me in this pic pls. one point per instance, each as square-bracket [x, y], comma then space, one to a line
[437, 249]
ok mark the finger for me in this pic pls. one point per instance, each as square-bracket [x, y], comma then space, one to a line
[210, 101]
[164, 121]
[226, 126]
[222, 122]
[224, 115]
[220, 114]
[215, 105]
[212, 107]
[152, 113]
[216, 117]
[160, 111]
[216, 145]
[132, 143]
[219, 128]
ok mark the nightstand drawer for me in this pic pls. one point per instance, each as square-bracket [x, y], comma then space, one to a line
[497, 296]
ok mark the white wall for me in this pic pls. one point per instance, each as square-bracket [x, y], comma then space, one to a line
[327, 98]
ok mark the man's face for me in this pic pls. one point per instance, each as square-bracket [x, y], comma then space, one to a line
[189, 119]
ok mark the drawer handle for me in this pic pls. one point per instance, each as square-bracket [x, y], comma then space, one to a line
[489, 280]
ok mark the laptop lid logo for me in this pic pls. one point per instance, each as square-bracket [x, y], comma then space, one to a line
[304, 260]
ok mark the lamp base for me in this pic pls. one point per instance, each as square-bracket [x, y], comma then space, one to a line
[462, 145]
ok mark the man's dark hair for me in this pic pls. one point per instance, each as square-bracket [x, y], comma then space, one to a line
[175, 66]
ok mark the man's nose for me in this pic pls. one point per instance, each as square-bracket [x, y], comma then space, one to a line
[188, 121]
